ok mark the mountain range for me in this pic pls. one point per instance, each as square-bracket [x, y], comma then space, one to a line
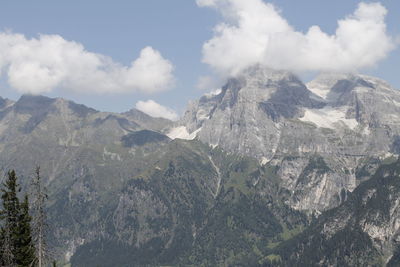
[266, 171]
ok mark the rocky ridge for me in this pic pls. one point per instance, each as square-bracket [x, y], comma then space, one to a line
[264, 154]
[349, 121]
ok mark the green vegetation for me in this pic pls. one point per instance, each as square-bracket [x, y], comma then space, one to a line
[197, 206]
[274, 259]
[188, 221]
[22, 236]
[15, 234]
[389, 160]
[327, 244]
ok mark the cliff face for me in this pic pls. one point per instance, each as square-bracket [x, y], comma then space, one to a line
[363, 231]
[264, 154]
[349, 122]
[85, 156]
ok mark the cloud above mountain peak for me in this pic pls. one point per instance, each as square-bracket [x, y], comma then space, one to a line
[254, 32]
[156, 110]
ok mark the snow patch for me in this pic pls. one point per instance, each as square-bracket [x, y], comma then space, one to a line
[181, 132]
[72, 246]
[328, 117]
[213, 146]
[202, 115]
[321, 92]
[396, 103]
[387, 155]
[322, 85]
[213, 93]
[379, 83]
[366, 131]
[264, 161]
[111, 155]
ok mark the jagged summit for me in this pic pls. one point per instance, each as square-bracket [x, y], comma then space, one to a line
[265, 74]
[332, 100]
[326, 85]
[146, 121]
[38, 103]
[33, 103]
[272, 115]
[366, 99]
[41, 106]
[278, 94]
[272, 151]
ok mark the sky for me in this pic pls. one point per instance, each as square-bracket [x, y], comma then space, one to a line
[156, 55]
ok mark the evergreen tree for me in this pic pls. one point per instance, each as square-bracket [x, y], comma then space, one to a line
[10, 216]
[7, 255]
[25, 250]
[16, 240]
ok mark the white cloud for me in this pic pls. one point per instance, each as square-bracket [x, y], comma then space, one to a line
[209, 82]
[43, 64]
[156, 110]
[254, 32]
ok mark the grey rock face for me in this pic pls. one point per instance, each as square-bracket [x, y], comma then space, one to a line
[245, 116]
[85, 157]
[316, 143]
[136, 210]
[146, 121]
[363, 231]
[347, 120]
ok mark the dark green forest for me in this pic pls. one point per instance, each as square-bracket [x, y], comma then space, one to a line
[22, 236]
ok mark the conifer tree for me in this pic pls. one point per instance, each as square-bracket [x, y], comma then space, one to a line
[25, 250]
[7, 255]
[16, 241]
[9, 216]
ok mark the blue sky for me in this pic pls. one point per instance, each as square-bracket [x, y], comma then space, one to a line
[177, 29]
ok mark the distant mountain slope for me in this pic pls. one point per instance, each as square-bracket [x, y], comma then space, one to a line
[85, 157]
[197, 207]
[351, 121]
[265, 155]
[363, 231]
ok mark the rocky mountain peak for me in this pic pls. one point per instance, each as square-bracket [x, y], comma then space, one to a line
[272, 150]
[331, 86]
[5, 103]
[33, 103]
[146, 121]
[367, 100]
[262, 74]
[275, 93]
[263, 82]
[272, 116]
